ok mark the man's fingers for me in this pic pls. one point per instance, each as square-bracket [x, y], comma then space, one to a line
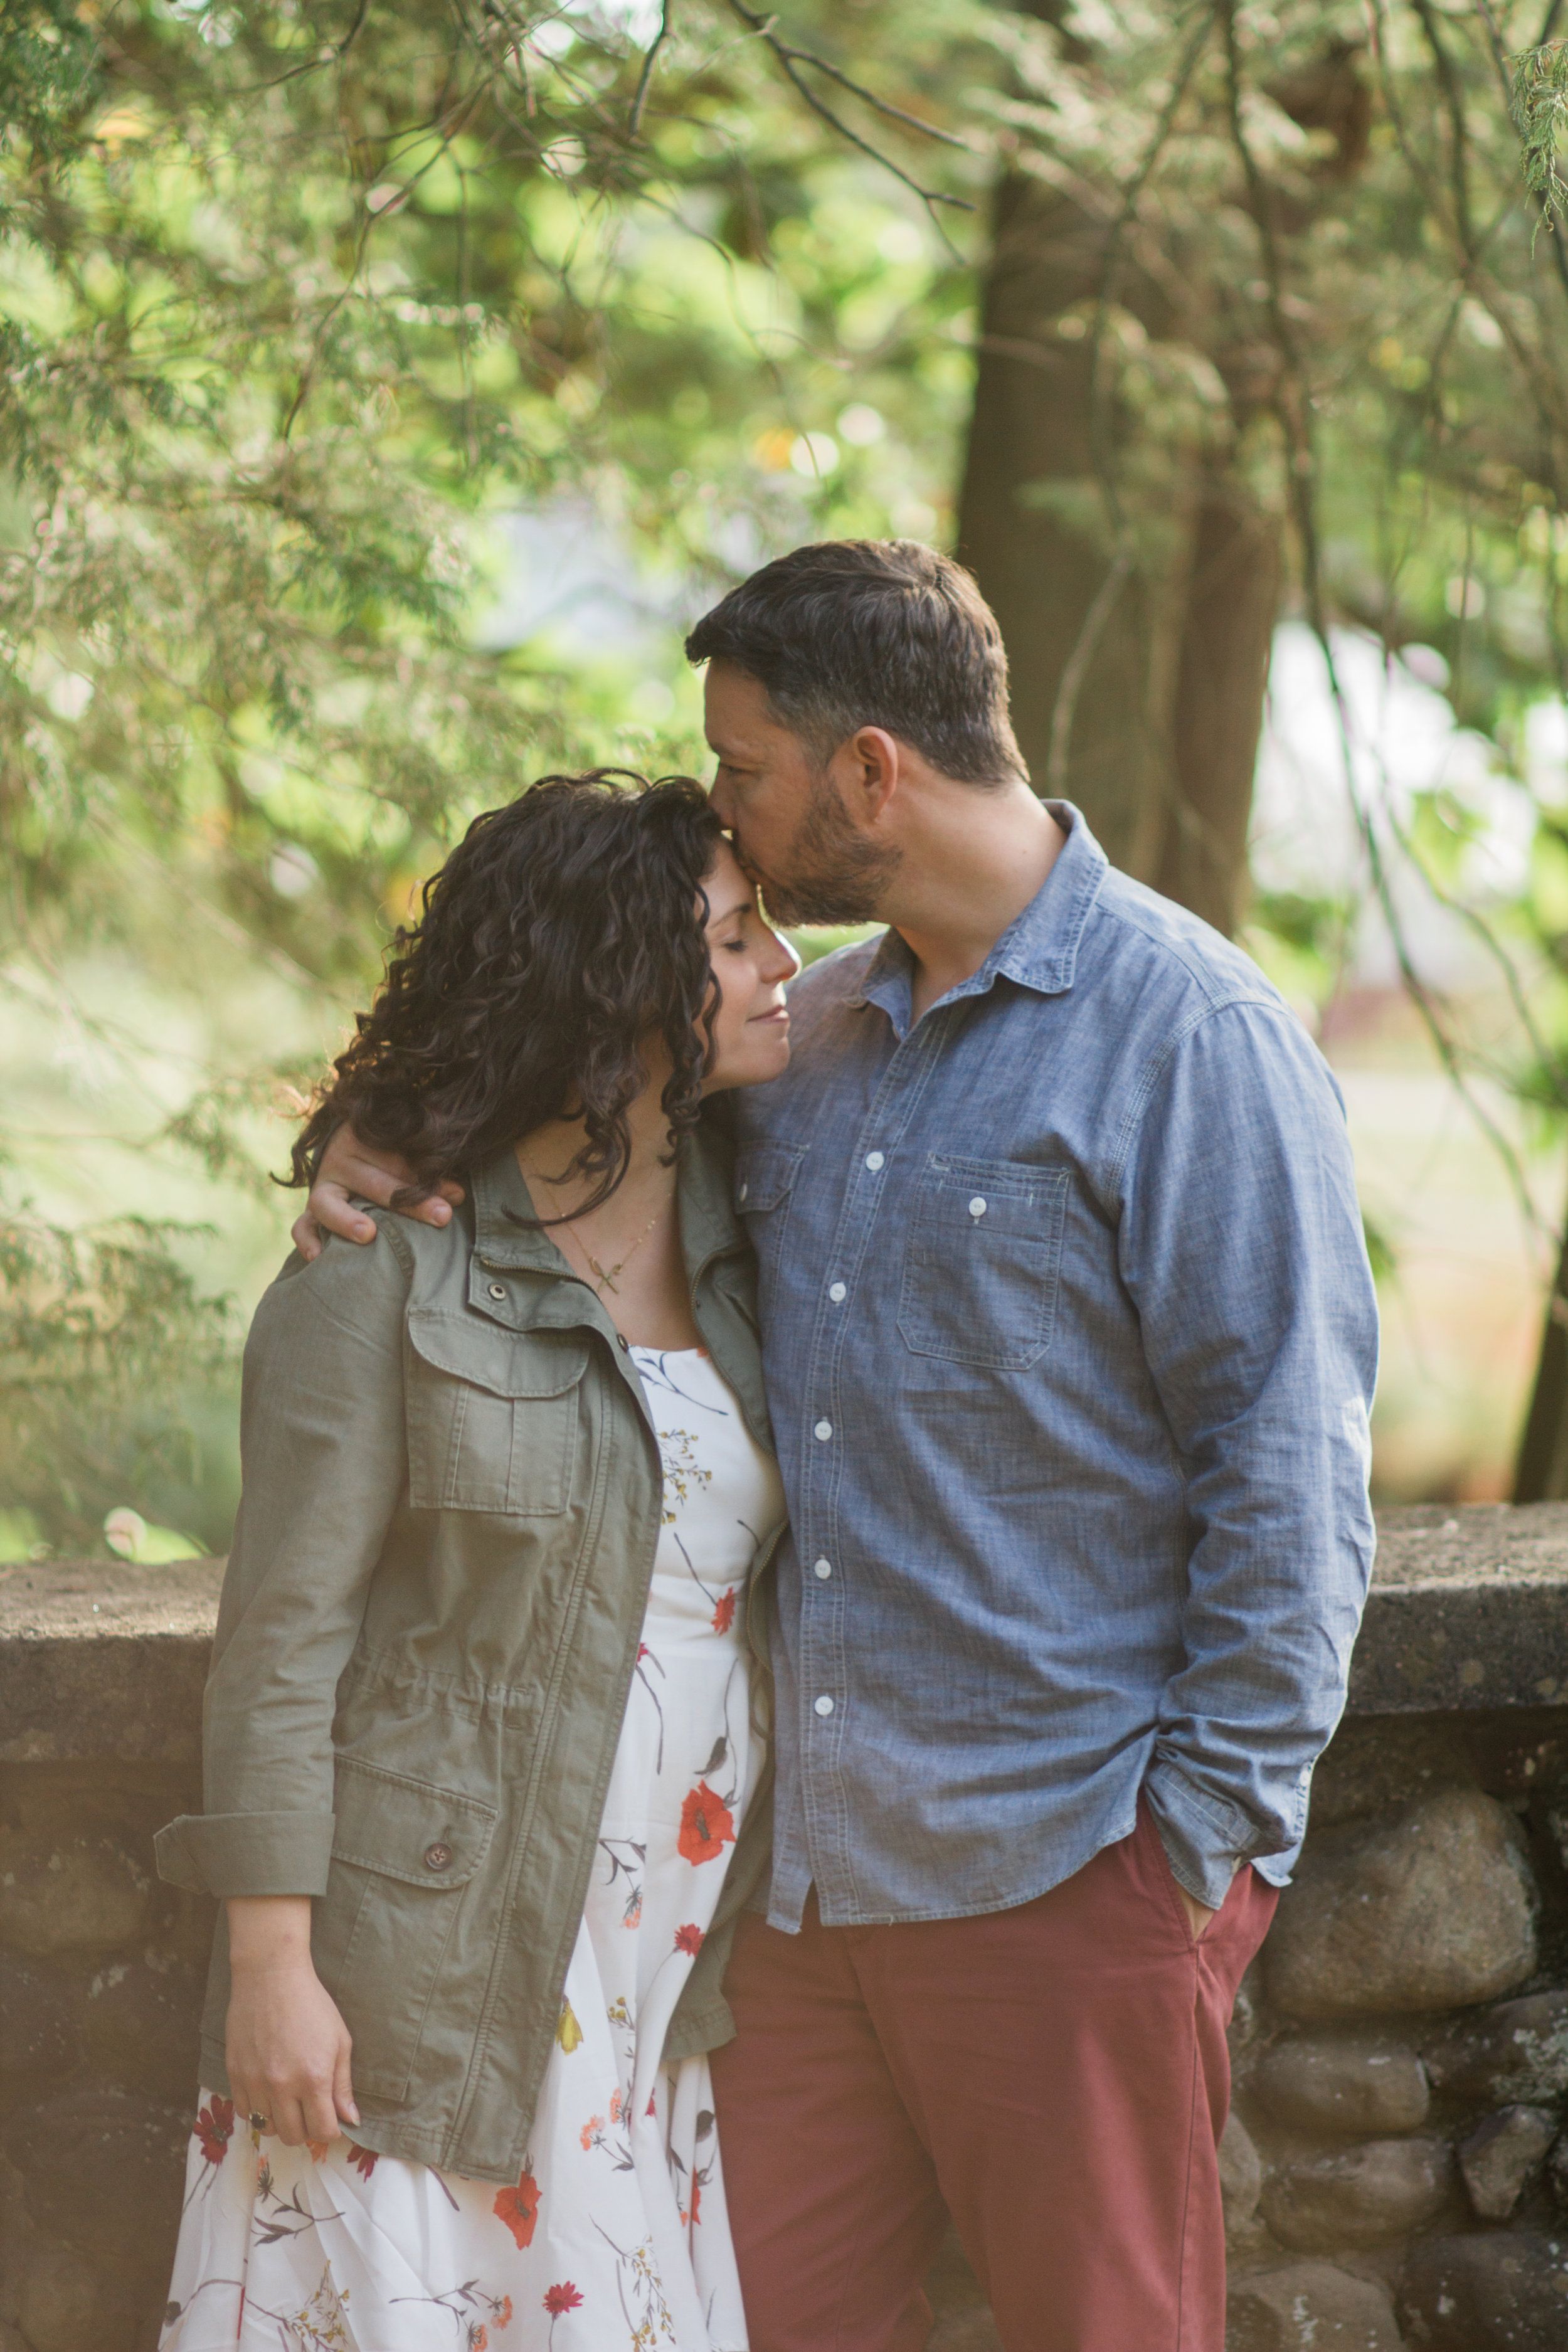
[450, 1192]
[332, 1210]
[432, 1213]
[306, 1235]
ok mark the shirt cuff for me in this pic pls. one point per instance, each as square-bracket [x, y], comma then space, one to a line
[247, 1853]
[1205, 1839]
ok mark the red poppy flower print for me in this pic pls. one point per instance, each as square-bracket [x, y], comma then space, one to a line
[707, 1825]
[558, 2299]
[363, 2159]
[724, 1612]
[689, 1939]
[214, 2129]
[519, 2209]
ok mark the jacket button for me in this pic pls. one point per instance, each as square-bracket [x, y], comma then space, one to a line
[437, 1856]
[498, 1290]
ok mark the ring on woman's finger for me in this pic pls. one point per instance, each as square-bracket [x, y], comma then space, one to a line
[259, 2122]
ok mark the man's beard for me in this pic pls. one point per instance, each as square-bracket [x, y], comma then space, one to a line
[833, 874]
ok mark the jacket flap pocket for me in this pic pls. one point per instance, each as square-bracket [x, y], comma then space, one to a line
[407, 1829]
[507, 1363]
[765, 1172]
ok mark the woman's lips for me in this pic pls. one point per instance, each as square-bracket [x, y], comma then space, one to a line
[779, 1014]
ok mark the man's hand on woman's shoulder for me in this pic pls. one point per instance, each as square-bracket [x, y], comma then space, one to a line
[349, 1166]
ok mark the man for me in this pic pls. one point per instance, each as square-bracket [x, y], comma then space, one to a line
[1069, 1339]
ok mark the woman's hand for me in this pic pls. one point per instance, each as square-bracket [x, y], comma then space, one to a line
[288, 2048]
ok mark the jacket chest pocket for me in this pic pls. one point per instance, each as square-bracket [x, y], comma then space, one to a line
[492, 1415]
[983, 1260]
[403, 1851]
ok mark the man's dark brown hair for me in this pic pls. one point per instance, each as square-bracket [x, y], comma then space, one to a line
[873, 632]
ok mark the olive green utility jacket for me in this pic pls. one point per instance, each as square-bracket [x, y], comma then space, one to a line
[452, 1496]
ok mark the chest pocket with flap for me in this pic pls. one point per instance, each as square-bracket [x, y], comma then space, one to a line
[492, 1414]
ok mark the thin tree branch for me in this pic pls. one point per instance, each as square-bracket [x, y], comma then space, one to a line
[790, 61]
[634, 118]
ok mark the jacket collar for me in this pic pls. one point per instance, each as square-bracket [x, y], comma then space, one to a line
[1039, 947]
[708, 1226]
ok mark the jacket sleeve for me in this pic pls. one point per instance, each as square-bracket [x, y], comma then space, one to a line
[1242, 1246]
[323, 1455]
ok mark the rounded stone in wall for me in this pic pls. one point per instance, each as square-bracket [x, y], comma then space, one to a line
[1517, 2050]
[69, 2303]
[1344, 2080]
[1497, 2291]
[1430, 1907]
[104, 2171]
[39, 2043]
[1499, 2157]
[1240, 2172]
[1363, 2195]
[141, 2020]
[1310, 2308]
[71, 1891]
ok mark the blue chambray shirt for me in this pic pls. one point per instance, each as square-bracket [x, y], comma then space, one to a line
[1069, 1340]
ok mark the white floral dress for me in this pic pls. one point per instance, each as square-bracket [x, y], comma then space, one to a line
[617, 2232]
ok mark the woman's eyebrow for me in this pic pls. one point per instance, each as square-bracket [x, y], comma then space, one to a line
[741, 907]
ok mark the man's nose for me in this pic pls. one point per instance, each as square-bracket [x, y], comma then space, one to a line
[718, 797]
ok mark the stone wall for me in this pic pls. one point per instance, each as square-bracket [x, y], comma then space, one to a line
[1396, 2168]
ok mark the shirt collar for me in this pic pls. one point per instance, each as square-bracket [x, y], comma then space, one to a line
[1039, 947]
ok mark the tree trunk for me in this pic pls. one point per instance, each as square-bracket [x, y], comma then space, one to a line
[1091, 641]
[1232, 599]
[1542, 1475]
[1138, 675]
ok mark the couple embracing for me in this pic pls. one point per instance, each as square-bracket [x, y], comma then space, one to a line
[782, 1612]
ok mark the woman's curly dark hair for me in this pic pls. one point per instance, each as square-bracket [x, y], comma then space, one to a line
[561, 932]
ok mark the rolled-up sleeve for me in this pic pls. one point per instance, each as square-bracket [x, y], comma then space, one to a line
[1241, 1245]
[323, 1455]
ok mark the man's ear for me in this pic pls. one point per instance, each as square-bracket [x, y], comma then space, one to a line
[876, 764]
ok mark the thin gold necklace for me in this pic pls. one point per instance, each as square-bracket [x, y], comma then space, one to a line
[603, 1277]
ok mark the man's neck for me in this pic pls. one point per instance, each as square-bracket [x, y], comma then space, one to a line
[979, 858]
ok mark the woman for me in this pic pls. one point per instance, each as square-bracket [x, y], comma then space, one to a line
[482, 1775]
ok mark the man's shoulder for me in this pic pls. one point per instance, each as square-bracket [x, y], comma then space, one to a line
[364, 1287]
[1179, 966]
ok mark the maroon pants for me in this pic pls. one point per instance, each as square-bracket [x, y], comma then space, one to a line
[1056, 2076]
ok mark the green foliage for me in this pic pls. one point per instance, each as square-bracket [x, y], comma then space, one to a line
[103, 1335]
[298, 300]
[1540, 111]
[301, 299]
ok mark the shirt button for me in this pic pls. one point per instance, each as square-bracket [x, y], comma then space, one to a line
[437, 1856]
[825, 1705]
[978, 1206]
[823, 1567]
[744, 1189]
[836, 1292]
[498, 1290]
[874, 1160]
[824, 1429]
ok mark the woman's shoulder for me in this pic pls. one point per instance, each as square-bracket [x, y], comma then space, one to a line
[364, 1287]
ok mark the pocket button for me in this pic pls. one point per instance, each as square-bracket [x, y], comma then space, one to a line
[437, 1856]
[978, 1206]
